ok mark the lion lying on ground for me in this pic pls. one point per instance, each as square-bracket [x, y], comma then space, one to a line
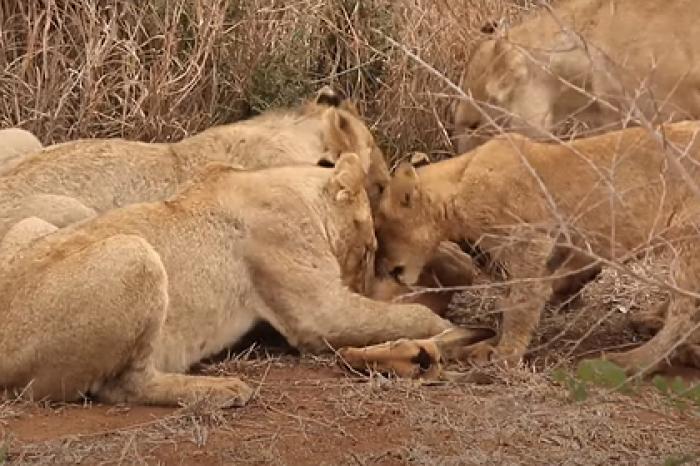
[587, 63]
[15, 144]
[119, 307]
[72, 181]
[612, 196]
[67, 182]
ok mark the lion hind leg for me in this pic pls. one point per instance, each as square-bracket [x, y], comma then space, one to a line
[682, 321]
[89, 322]
[650, 319]
[79, 316]
[132, 377]
[574, 276]
[689, 355]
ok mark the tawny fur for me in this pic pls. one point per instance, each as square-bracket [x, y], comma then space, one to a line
[548, 70]
[122, 304]
[102, 174]
[15, 144]
[614, 195]
[73, 181]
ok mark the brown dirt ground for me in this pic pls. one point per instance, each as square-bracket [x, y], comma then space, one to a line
[307, 411]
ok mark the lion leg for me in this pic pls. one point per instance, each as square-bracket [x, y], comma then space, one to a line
[351, 322]
[146, 385]
[575, 270]
[682, 320]
[524, 257]
[75, 320]
[417, 357]
[88, 323]
[451, 266]
[349, 319]
[316, 313]
[689, 355]
[141, 382]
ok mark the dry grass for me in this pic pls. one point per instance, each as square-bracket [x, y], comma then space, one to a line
[158, 70]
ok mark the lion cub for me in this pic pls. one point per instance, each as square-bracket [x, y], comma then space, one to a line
[121, 305]
[613, 196]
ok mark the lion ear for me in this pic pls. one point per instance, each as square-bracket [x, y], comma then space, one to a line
[404, 184]
[340, 136]
[329, 97]
[419, 159]
[510, 70]
[338, 130]
[348, 177]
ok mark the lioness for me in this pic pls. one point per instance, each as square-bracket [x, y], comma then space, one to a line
[16, 143]
[72, 181]
[68, 181]
[612, 195]
[586, 62]
[120, 305]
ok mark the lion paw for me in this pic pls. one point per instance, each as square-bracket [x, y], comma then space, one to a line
[405, 358]
[229, 392]
[634, 361]
[484, 353]
[480, 354]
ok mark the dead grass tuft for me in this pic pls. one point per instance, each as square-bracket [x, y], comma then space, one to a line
[158, 70]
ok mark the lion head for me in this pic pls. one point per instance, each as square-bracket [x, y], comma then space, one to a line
[352, 228]
[345, 132]
[408, 234]
[505, 95]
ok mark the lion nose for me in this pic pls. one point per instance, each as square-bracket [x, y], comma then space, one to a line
[397, 271]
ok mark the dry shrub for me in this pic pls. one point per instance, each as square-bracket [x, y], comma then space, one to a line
[158, 70]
